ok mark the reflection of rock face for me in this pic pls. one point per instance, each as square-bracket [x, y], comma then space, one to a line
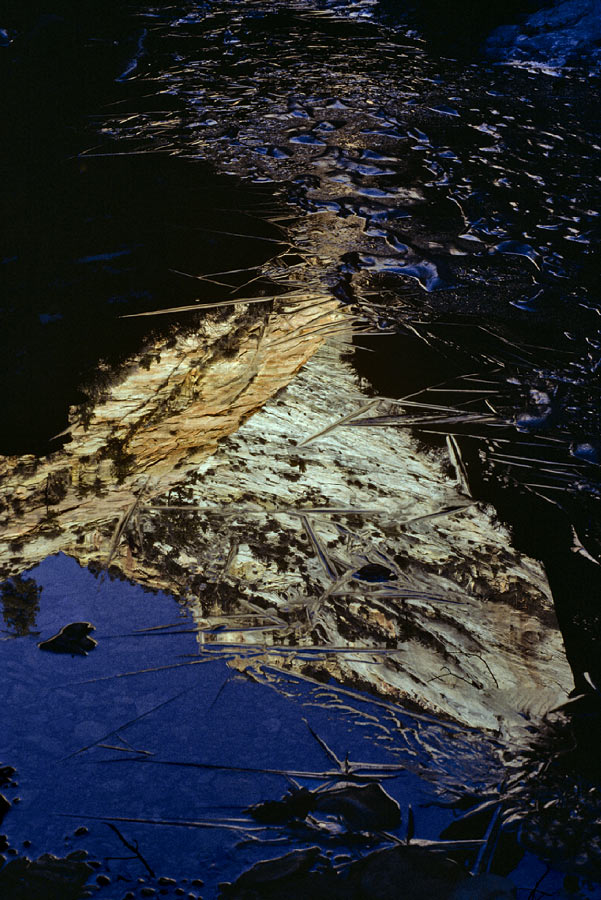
[460, 624]
[154, 421]
[352, 556]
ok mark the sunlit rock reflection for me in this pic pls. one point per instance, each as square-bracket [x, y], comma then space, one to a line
[268, 541]
[350, 554]
[153, 422]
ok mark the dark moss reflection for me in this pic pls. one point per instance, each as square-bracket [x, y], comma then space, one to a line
[20, 598]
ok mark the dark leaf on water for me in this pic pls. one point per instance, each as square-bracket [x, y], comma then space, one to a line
[296, 805]
[73, 639]
[363, 807]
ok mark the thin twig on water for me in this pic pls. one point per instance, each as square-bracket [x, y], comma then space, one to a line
[133, 847]
[358, 412]
[129, 723]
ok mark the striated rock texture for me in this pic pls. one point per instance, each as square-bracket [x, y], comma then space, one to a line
[169, 407]
[355, 555]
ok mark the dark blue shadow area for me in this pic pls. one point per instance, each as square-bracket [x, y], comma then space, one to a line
[457, 28]
[186, 739]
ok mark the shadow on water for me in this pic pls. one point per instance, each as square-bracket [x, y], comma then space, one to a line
[456, 28]
[99, 239]
[94, 234]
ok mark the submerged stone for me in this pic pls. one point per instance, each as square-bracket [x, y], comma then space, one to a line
[485, 887]
[6, 774]
[361, 807]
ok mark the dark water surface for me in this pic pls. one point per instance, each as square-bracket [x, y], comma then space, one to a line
[146, 729]
[474, 196]
[159, 738]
